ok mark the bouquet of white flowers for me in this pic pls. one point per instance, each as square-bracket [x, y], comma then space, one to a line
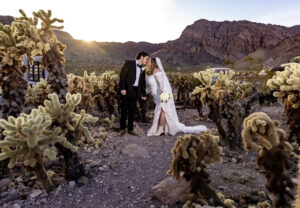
[164, 97]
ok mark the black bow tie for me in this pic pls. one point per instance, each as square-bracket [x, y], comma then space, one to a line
[139, 65]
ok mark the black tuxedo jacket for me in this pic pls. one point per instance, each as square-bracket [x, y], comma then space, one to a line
[127, 79]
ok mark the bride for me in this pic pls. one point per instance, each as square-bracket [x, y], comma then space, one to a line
[165, 115]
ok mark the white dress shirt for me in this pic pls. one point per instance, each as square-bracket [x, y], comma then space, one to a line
[138, 73]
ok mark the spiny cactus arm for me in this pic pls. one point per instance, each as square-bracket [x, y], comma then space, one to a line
[50, 135]
[51, 153]
[224, 78]
[32, 21]
[45, 17]
[65, 143]
[296, 59]
[205, 77]
[260, 130]
[8, 153]
[254, 141]
[10, 140]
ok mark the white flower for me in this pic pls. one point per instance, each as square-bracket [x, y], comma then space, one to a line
[144, 68]
[164, 97]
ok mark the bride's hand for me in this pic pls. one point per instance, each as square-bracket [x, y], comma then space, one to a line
[143, 98]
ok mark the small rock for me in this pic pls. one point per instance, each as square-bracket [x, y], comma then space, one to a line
[105, 167]
[135, 150]
[116, 174]
[234, 160]
[38, 203]
[44, 195]
[223, 188]
[169, 191]
[96, 152]
[72, 184]
[295, 180]
[242, 180]
[88, 161]
[83, 180]
[16, 206]
[35, 193]
[58, 189]
[44, 200]
[5, 182]
[19, 180]
[59, 180]
[112, 166]
[105, 154]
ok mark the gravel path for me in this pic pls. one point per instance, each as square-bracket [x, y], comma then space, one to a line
[122, 180]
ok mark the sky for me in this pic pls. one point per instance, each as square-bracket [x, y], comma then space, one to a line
[154, 21]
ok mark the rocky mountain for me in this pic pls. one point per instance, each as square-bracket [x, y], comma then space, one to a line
[202, 43]
[102, 53]
[6, 20]
[213, 42]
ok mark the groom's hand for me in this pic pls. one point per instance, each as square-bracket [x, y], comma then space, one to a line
[143, 98]
[123, 92]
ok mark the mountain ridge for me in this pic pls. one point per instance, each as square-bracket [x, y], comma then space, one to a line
[202, 43]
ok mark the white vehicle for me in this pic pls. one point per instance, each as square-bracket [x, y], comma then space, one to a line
[220, 69]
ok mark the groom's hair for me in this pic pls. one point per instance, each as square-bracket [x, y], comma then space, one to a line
[140, 54]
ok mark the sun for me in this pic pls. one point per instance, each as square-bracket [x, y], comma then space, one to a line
[88, 40]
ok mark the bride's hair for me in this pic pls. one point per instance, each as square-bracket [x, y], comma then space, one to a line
[152, 67]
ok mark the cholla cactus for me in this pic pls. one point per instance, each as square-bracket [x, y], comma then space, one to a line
[38, 93]
[287, 88]
[51, 49]
[63, 115]
[12, 73]
[183, 85]
[26, 138]
[106, 91]
[262, 134]
[191, 155]
[244, 89]
[84, 86]
[229, 100]
[73, 124]
[224, 79]
[221, 103]
[15, 42]
[205, 77]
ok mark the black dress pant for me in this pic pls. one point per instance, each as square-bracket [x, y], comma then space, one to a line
[128, 107]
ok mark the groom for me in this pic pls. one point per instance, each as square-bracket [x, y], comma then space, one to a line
[132, 86]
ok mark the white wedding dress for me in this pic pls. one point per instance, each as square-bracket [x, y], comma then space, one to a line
[158, 83]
